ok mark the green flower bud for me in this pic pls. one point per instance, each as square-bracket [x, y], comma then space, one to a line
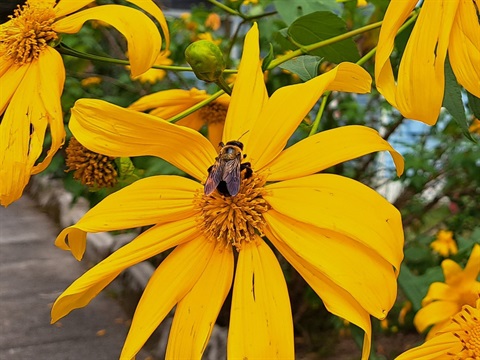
[206, 60]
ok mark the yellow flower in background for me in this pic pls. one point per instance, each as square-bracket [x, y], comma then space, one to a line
[32, 75]
[458, 340]
[213, 21]
[475, 127]
[444, 244]
[344, 238]
[168, 103]
[154, 75]
[444, 300]
[208, 36]
[91, 80]
[442, 25]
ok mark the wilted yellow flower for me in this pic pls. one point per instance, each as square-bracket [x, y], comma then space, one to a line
[154, 75]
[444, 300]
[442, 25]
[213, 21]
[475, 127]
[344, 238]
[168, 103]
[32, 77]
[458, 340]
[444, 244]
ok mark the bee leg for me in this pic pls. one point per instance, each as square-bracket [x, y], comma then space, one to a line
[248, 169]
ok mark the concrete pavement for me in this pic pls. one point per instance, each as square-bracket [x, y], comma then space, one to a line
[33, 272]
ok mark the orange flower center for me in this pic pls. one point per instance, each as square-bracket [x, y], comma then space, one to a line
[91, 169]
[28, 32]
[468, 333]
[233, 219]
[213, 113]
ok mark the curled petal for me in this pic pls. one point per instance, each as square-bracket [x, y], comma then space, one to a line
[261, 324]
[328, 148]
[144, 42]
[114, 131]
[152, 200]
[151, 242]
[65, 7]
[169, 284]
[197, 312]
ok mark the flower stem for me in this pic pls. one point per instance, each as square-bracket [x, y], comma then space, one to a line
[222, 84]
[194, 108]
[316, 122]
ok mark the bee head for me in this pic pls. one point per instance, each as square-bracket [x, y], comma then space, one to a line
[236, 143]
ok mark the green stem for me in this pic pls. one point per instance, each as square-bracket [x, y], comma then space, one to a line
[226, 8]
[194, 108]
[222, 84]
[316, 122]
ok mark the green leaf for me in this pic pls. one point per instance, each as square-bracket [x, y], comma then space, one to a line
[268, 59]
[452, 100]
[306, 67]
[319, 26]
[281, 38]
[290, 10]
[474, 104]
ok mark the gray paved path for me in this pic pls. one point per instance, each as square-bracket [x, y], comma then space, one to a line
[33, 272]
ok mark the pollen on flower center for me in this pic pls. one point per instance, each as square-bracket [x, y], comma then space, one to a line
[468, 333]
[213, 113]
[91, 169]
[28, 32]
[233, 219]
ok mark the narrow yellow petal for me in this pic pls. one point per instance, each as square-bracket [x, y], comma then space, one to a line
[337, 300]
[261, 324]
[328, 148]
[148, 244]
[434, 349]
[144, 42]
[10, 77]
[440, 291]
[197, 312]
[111, 130]
[435, 312]
[289, 105]
[152, 200]
[345, 206]
[472, 269]
[65, 7]
[464, 47]
[368, 277]
[249, 92]
[170, 102]
[172, 280]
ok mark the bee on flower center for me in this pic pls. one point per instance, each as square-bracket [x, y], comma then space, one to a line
[224, 175]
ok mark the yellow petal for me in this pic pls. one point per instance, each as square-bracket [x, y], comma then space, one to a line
[215, 131]
[472, 269]
[353, 267]
[464, 47]
[337, 300]
[197, 312]
[440, 291]
[172, 280]
[434, 349]
[168, 103]
[65, 7]
[152, 200]
[10, 77]
[148, 244]
[345, 206]
[111, 130]
[261, 324]
[144, 41]
[289, 105]
[249, 91]
[435, 312]
[328, 148]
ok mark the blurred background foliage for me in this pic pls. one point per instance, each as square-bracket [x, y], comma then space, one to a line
[440, 188]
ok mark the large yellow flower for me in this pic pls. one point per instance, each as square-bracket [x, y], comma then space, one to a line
[32, 77]
[442, 25]
[444, 300]
[459, 340]
[168, 103]
[341, 236]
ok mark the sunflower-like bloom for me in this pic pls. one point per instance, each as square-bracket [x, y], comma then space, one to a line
[444, 300]
[442, 25]
[168, 103]
[342, 237]
[32, 75]
[459, 340]
[444, 244]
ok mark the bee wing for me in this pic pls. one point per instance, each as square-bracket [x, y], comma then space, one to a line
[231, 176]
[215, 175]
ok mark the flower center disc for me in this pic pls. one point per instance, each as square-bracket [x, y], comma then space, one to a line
[233, 219]
[28, 32]
[213, 113]
[469, 334]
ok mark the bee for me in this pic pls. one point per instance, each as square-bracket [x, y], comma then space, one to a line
[224, 175]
